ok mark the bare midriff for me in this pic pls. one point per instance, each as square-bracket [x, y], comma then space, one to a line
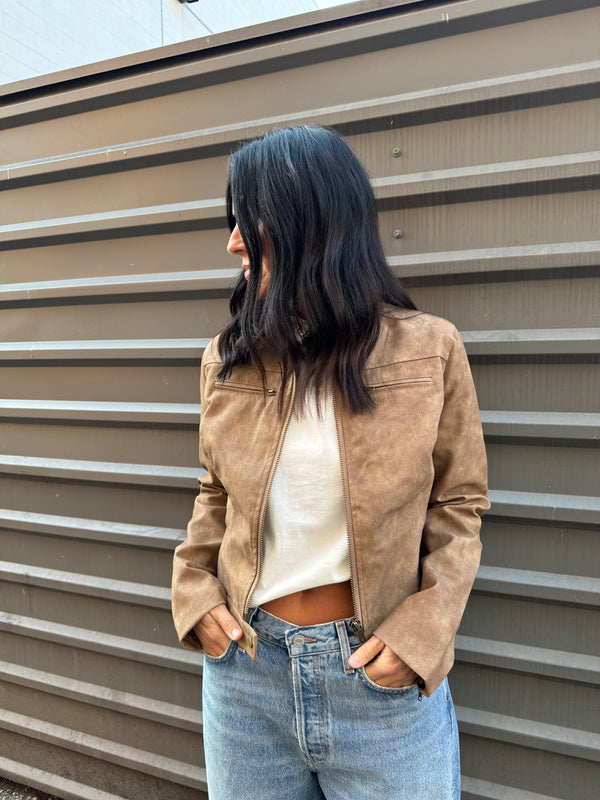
[314, 606]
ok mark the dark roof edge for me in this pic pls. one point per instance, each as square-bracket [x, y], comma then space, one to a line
[181, 51]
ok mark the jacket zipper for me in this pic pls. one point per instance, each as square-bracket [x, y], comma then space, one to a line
[356, 621]
[261, 521]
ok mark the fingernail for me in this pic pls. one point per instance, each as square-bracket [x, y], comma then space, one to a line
[235, 633]
[354, 661]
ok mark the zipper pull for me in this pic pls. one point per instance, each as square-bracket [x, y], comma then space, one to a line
[357, 629]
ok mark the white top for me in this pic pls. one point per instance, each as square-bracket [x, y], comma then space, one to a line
[305, 541]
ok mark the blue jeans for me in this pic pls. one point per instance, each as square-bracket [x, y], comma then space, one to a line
[300, 724]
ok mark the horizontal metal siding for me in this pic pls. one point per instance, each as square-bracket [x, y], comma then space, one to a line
[479, 124]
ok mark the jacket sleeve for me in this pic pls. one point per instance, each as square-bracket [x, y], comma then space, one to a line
[196, 589]
[422, 628]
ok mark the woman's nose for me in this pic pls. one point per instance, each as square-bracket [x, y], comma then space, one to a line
[235, 243]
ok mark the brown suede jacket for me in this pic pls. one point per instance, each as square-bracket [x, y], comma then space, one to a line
[414, 472]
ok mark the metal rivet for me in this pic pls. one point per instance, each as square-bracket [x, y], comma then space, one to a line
[396, 152]
[298, 640]
[398, 234]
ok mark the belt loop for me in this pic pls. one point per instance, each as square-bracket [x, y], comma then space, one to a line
[342, 633]
[251, 615]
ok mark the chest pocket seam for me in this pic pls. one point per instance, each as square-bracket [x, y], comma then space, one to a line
[399, 382]
[242, 387]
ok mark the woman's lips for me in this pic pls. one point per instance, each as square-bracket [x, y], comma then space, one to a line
[246, 268]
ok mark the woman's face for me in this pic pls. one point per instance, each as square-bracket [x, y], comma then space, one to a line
[236, 247]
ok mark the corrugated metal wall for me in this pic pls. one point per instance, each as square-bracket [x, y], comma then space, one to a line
[479, 123]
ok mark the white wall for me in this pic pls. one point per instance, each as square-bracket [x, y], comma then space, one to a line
[42, 36]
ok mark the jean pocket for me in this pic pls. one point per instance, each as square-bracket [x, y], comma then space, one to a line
[385, 689]
[225, 655]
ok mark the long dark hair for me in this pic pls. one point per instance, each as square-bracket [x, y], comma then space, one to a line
[320, 317]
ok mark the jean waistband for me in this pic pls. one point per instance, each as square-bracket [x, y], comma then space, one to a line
[304, 640]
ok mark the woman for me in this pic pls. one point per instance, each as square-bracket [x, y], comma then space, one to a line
[335, 538]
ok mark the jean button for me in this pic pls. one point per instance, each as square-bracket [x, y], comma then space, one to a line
[298, 640]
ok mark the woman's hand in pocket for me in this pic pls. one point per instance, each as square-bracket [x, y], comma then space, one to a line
[216, 629]
[382, 665]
